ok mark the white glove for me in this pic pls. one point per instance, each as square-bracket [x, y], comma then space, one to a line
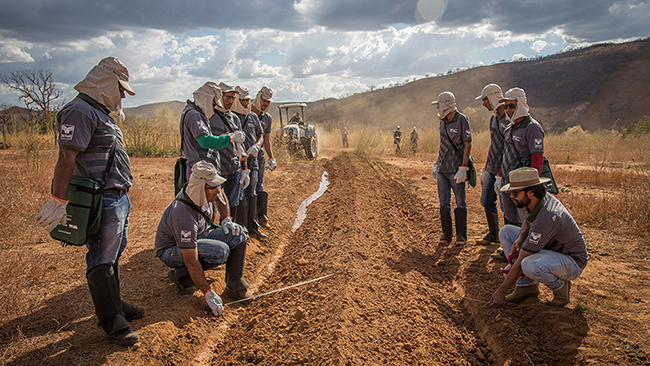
[240, 151]
[245, 179]
[272, 165]
[214, 302]
[461, 174]
[434, 171]
[484, 176]
[253, 150]
[229, 226]
[237, 136]
[498, 183]
[52, 213]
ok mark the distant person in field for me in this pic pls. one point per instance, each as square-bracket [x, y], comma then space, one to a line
[397, 140]
[188, 242]
[523, 146]
[491, 96]
[548, 248]
[247, 211]
[415, 139]
[451, 167]
[344, 137]
[260, 107]
[86, 133]
[233, 166]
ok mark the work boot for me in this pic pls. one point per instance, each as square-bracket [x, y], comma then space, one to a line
[445, 221]
[499, 256]
[242, 213]
[253, 226]
[182, 280]
[522, 292]
[493, 227]
[561, 296]
[131, 312]
[460, 215]
[105, 293]
[236, 286]
[262, 206]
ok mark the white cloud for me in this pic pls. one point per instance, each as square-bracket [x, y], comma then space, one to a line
[14, 51]
[518, 57]
[538, 46]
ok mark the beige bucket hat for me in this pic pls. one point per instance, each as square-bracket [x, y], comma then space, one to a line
[523, 178]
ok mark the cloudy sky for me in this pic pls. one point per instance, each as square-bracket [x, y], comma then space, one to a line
[305, 50]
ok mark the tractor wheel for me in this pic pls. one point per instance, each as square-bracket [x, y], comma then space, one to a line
[311, 147]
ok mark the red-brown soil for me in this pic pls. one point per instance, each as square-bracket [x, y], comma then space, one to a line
[393, 295]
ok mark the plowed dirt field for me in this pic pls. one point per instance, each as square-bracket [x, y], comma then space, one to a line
[384, 291]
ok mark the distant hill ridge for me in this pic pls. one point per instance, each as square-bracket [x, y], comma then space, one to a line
[595, 87]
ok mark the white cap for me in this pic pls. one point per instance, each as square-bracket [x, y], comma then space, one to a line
[445, 97]
[489, 90]
[514, 94]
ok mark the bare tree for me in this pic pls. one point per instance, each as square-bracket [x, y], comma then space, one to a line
[37, 89]
[4, 121]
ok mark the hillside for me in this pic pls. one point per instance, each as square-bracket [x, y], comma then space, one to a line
[594, 87]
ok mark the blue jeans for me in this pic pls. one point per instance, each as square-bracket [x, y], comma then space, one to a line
[260, 174]
[248, 192]
[447, 183]
[213, 250]
[546, 266]
[488, 195]
[231, 189]
[107, 245]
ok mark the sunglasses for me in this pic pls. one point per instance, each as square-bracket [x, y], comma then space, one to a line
[510, 106]
[516, 192]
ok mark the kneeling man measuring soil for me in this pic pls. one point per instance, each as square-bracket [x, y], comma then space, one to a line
[549, 247]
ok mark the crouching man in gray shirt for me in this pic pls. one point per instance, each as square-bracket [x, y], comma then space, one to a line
[549, 247]
[188, 241]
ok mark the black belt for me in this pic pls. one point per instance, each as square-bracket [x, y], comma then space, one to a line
[114, 192]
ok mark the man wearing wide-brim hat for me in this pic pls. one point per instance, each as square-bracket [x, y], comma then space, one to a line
[549, 246]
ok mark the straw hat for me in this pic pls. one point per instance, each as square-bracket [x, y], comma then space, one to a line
[522, 178]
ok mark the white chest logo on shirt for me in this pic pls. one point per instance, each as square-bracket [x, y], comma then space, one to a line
[534, 238]
[67, 131]
[516, 138]
[538, 142]
[186, 236]
[454, 130]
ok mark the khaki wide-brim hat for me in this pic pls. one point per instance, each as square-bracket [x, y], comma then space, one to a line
[522, 178]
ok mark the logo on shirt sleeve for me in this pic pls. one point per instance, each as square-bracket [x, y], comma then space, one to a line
[538, 142]
[468, 133]
[534, 238]
[186, 236]
[67, 131]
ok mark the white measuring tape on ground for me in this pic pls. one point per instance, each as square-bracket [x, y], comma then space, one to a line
[358, 270]
[280, 289]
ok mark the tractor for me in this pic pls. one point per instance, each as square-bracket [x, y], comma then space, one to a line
[299, 137]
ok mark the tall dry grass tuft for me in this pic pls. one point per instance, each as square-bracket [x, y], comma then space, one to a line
[616, 199]
[157, 137]
[599, 149]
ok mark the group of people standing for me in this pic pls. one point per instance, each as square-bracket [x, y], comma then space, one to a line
[540, 239]
[225, 136]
